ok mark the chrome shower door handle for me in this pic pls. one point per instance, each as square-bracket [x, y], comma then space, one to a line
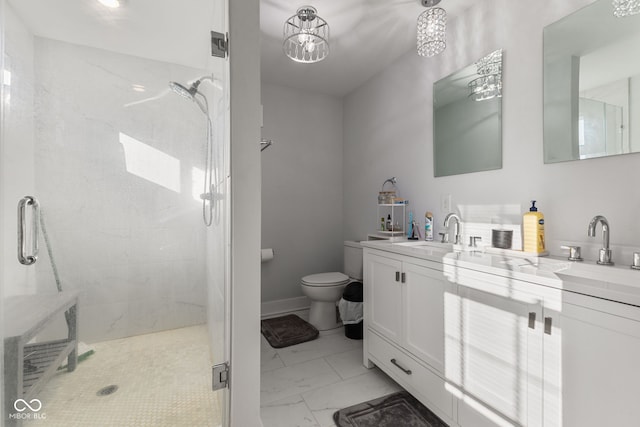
[23, 257]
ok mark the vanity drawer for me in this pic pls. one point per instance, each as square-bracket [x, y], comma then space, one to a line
[421, 382]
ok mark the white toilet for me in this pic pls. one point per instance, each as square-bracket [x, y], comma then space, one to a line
[325, 289]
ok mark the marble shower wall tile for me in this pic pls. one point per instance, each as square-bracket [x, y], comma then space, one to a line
[134, 248]
[18, 144]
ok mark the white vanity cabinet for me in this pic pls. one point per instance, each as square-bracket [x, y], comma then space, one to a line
[522, 353]
[493, 347]
[383, 295]
[404, 324]
[487, 341]
[424, 294]
[592, 363]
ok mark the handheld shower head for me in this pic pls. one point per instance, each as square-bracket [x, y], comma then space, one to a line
[211, 174]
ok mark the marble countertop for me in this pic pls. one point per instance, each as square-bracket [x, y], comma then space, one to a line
[616, 283]
[430, 251]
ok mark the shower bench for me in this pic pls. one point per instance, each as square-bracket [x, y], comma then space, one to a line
[27, 366]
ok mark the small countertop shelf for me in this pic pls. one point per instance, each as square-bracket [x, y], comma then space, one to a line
[27, 366]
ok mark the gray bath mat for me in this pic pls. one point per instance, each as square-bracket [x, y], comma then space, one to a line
[393, 410]
[287, 330]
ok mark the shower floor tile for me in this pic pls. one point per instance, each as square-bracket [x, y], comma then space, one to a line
[163, 379]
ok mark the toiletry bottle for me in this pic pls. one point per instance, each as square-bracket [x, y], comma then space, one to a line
[389, 227]
[533, 230]
[382, 227]
[428, 226]
[410, 227]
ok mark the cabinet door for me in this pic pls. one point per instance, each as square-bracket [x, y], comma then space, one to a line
[424, 294]
[494, 358]
[384, 295]
[598, 380]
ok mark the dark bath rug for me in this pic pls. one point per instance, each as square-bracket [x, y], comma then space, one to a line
[287, 330]
[394, 410]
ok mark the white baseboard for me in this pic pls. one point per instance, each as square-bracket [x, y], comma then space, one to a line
[283, 306]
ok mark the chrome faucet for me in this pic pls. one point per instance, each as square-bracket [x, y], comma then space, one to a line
[605, 253]
[456, 227]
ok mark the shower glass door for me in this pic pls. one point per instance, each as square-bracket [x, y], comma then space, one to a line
[114, 213]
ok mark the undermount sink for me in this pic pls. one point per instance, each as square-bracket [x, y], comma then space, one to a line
[584, 272]
[599, 275]
[537, 264]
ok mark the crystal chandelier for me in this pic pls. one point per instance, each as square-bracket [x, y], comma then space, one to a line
[623, 8]
[489, 84]
[306, 36]
[432, 29]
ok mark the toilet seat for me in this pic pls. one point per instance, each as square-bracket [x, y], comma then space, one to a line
[326, 279]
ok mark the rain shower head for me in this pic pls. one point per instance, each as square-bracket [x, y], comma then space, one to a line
[183, 91]
[190, 92]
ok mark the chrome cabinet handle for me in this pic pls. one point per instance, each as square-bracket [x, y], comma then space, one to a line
[23, 257]
[636, 261]
[406, 371]
[397, 276]
[547, 325]
[532, 319]
[403, 277]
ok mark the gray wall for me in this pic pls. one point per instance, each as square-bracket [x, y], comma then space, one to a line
[301, 188]
[388, 132]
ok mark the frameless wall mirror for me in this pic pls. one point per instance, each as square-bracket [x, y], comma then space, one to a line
[467, 118]
[591, 84]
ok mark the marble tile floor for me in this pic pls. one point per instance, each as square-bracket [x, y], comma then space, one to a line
[163, 379]
[303, 385]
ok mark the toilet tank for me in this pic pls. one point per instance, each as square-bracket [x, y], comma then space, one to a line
[353, 259]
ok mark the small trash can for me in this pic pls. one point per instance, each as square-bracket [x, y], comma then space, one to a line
[351, 308]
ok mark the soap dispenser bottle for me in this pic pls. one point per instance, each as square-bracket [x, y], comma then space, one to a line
[428, 226]
[533, 230]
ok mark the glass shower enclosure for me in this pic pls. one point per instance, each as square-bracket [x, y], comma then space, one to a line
[114, 212]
